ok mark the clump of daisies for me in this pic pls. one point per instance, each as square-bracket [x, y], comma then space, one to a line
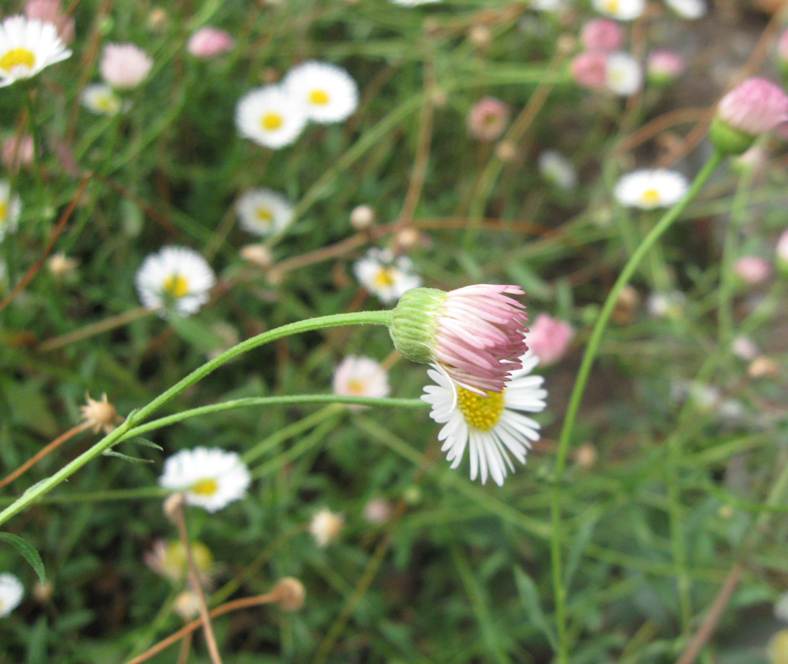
[26, 47]
[275, 115]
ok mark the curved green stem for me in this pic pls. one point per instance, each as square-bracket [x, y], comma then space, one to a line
[576, 397]
[136, 417]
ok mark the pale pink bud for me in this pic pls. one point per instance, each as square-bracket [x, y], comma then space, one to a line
[589, 69]
[17, 152]
[752, 269]
[378, 510]
[48, 11]
[209, 42]
[549, 338]
[602, 34]
[665, 66]
[488, 118]
[754, 107]
[124, 66]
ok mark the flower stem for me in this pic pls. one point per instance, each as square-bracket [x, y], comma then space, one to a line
[576, 397]
[136, 417]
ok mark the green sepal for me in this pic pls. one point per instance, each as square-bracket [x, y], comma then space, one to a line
[727, 140]
[413, 323]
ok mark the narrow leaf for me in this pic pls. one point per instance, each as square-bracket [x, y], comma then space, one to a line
[28, 551]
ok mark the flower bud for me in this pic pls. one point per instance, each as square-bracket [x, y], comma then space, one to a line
[290, 594]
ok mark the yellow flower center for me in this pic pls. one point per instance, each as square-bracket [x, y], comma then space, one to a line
[17, 57]
[206, 487]
[264, 214]
[356, 386]
[611, 6]
[384, 278]
[319, 97]
[650, 197]
[480, 412]
[176, 285]
[271, 121]
[107, 104]
[3, 210]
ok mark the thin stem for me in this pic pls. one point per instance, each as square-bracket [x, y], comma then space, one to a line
[136, 417]
[576, 397]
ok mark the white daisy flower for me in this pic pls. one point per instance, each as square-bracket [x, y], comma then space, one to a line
[26, 47]
[689, 9]
[557, 169]
[264, 212]
[623, 74]
[328, 92]
[210, 478]
[326, 526]
[386, 276]
[270, 117]
[10, 207]
[358, 376]
[622, 10]
[11, 592]
[101, 99]
[489, 425]
[176, 278]
[651, 188]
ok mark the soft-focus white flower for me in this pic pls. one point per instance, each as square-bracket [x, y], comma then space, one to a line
[176, 278]
[386, 276]
[489, 425]
[358, 376]
[667, 305]
[171, 560]
[270, 117]
[557, 169]
[26, 47]
[623, 74]
[264, 212]
[327, 92]
[210, 478]
[547, 5]
[648, 189]
[622, 10]
[124, 66]
[326, 526]
[690, 9]
[413, 3]
[101, 99]
[11, 592]
[10, 207]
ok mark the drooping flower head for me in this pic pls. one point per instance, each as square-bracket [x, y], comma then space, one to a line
[386, 276]
[327, 92]
[11, 592]
[264, 212]
[488, 424]
[210, 478]
[124, 66]
[176, 278]
[209, 42]
[270, 117]
[752, 108]
[475, 334]
[651, 188]
[26, 47]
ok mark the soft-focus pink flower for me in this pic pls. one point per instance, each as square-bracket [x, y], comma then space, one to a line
[754, 107]
[488, 118]
[209, 42]
[48, 11]
[602, 34]
[589, 69]
[124, 66]
[665, 66]
[752, 269]
[17, 152]
[549, 338]
[782, 248]
[378, 510]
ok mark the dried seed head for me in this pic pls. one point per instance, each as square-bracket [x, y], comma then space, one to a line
[100, 415]
[290, 594]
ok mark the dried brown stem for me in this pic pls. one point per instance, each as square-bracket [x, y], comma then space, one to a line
[96, 328]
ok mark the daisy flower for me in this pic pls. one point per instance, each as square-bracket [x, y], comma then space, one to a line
[270, 117]
[124, 66]
[177, 278]
[327, 92]
[648, 189]
[264, 212]
[491, 425]
[10, 207]
[621, 10]
[557, 170]
[358, 376]
[210, 478]
[101, 99]
[689, 9]
[623, 74]
[11, 592]
[386, 276]
[326, 526]
[26, 47]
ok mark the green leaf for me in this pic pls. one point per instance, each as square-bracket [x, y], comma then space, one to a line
[27, 550]
[126, 457]
[145, 443]
[533, 609]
